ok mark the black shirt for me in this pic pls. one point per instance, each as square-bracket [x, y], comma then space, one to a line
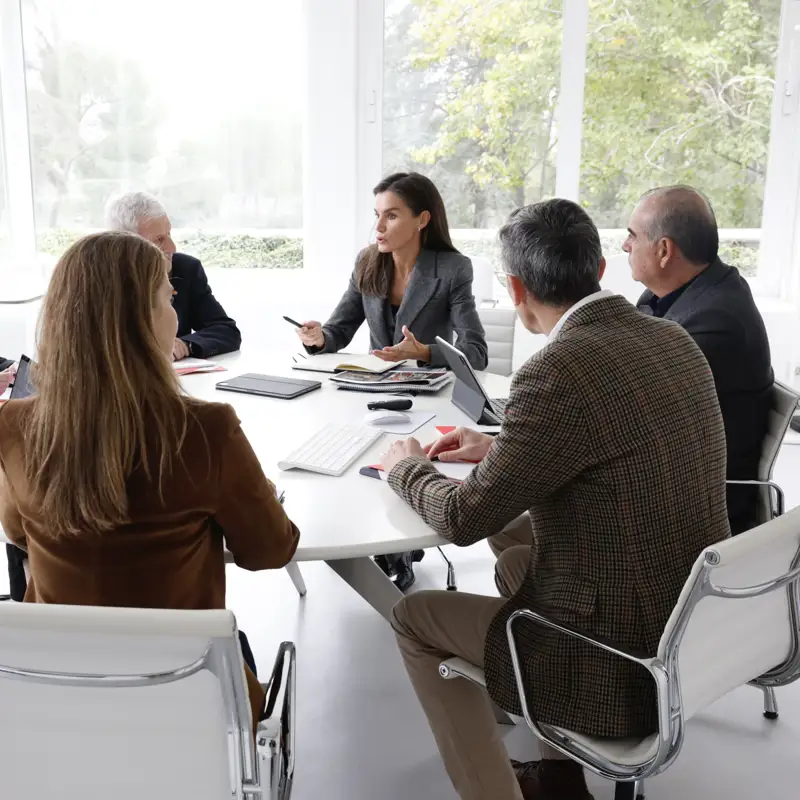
[661, 305]
[393, 316]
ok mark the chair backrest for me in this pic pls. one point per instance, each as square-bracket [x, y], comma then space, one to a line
[499, 325]
[728, 642]
[483, 279]
[783, 407]
[78, 721]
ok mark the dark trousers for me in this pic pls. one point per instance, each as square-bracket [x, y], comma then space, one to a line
[18, 584]
[16, 572]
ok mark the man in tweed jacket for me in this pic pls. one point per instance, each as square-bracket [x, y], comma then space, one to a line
[605, 483]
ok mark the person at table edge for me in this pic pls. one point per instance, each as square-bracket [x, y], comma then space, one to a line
[411, 286]
[204, 329]
[672, 248]
[611, 421]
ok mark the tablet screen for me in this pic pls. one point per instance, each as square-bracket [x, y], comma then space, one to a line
[22, 382]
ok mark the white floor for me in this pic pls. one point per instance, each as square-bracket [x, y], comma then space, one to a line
[362, 736]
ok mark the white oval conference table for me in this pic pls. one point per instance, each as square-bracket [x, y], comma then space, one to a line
[343, 521]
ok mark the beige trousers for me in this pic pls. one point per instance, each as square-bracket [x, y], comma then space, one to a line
[433, 626]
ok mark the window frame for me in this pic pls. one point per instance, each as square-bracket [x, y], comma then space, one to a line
[16, 142]
[343, 142]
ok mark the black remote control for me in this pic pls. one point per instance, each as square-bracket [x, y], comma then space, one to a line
[391, 405]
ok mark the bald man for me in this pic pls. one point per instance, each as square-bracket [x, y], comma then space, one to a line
[672, 249]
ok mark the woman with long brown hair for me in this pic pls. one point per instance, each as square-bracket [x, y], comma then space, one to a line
[122, 489]
[411, 286]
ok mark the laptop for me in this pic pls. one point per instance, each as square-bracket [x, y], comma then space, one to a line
[468, 394]
[22, 380]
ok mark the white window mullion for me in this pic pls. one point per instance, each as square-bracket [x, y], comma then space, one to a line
[570, 107]
[16, 141]
[370, 109]
[777, 255]
[330, 191]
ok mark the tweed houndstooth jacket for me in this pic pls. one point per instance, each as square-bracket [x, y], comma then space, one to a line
[613, 441]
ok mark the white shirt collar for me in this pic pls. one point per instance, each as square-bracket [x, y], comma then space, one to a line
[590, 298]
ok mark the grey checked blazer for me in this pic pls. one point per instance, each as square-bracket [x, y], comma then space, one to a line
[613, 440]
[437, 302]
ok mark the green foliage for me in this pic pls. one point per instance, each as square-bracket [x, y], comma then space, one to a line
[214, 250]
[242, 250]
[676, 91]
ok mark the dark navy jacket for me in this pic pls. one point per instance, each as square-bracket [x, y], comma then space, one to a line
[202, 321]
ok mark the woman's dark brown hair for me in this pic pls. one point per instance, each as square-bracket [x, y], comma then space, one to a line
[374, 269]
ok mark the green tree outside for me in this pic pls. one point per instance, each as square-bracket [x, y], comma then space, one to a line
[676, 91]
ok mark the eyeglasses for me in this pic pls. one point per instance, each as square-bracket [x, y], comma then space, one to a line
[502, 277]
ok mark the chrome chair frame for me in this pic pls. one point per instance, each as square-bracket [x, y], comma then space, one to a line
[275, 735]
[775, 500]
[223, 659]
[665, 674]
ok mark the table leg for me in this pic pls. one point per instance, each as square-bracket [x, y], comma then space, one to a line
[370, 581]
[297, 578]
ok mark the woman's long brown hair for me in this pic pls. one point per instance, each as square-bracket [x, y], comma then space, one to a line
[374, 269]
[107, 399]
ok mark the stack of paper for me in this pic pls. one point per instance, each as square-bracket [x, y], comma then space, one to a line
[395, 381]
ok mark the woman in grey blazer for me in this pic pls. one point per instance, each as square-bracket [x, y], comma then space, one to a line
[411, 286]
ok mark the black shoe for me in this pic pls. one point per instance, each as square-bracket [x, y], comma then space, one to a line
[552, 780]
[405, 571]
[417, 555]
[384, 563]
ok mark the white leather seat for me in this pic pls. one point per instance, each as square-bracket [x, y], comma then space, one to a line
[784, 405]
[499, 325]
[136, 703]
[735, 622]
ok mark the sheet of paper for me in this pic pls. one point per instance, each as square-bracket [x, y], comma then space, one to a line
[189, 365]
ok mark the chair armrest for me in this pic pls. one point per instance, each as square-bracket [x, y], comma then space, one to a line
[771, 484]
[571, 630]
[583, 754]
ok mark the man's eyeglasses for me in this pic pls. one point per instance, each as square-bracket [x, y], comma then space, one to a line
[502, 277]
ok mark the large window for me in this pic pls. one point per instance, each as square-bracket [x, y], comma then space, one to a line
[673, 92]
[680, 92]
[471, 96]
[203, 106]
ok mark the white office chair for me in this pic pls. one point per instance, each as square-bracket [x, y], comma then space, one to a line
[784, 405]
[735, 622]
[484, 280]
[137, 703]
[771, 499]
[499, 324]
